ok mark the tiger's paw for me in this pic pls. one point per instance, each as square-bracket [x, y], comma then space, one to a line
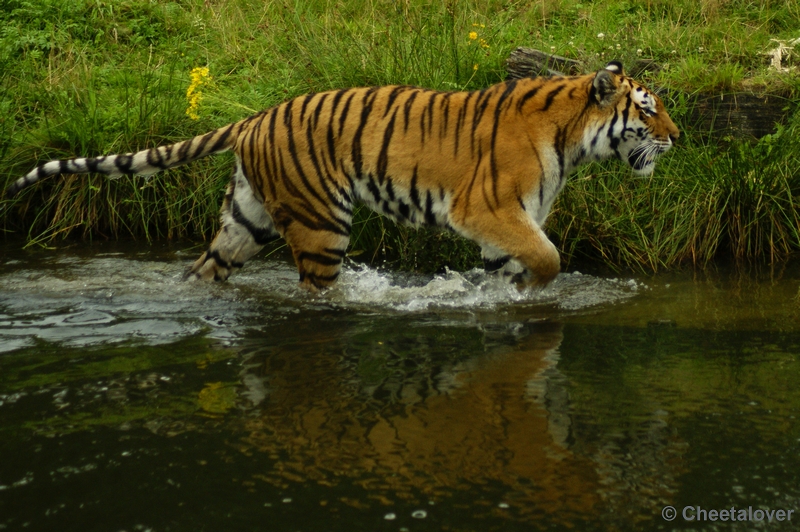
[210, 267]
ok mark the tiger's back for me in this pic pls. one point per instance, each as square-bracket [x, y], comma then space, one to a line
[487, 164]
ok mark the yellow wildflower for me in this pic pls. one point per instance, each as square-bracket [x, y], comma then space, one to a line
[475, 66]
[199, 76]
[473, 35]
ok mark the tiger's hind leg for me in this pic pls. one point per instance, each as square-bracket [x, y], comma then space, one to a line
[246, 228]
[318, 246]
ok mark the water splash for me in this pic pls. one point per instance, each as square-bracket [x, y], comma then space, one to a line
[116, 297]
[361, 286]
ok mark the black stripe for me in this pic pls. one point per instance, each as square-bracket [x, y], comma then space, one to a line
[430, 217]
[372, 187]
[337, 97]
[414, 192]
[331, 147]
[306, 100]
[551, 96]
[492, 265]
[559, 144]
[183, 150]
[214, 255]
[319, 258]
[405, 210]
[260, 172]
[407, 109]
[322, 176]
[123, 163]
[155, 159]
[335, 251]
[445, 114]
[298, 166]
[345, 111]
[383, 156]
[200, 146]
[612, 124]
[318, 224]
[318, 109]
[168, 153]
[527, 96]
[626, 113]
[222, 139]
[356, 155]
[480, 107]
[431, 107]
[510, 86]
[390, 189]
[261, 235]
[391, 99]
[249, 147]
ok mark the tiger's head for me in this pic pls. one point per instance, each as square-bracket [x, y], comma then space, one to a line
[639, 128]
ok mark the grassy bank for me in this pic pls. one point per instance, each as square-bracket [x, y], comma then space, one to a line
[84, 77]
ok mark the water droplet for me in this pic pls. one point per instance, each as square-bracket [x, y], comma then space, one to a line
[503, 505]
[287, 500]
[390, 516]
[419, 514]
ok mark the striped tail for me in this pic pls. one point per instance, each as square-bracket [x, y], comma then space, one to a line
[146, 162]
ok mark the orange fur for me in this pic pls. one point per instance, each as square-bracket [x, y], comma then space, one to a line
[487, 164]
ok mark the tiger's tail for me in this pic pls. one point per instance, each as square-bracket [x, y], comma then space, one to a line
[145, 162]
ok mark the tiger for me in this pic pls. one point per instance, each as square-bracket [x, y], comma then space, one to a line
[486, 164]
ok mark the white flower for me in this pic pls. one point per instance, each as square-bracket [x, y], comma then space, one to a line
[601, 35]
[639, 51]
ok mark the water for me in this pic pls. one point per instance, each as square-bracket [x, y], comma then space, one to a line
[130, 400]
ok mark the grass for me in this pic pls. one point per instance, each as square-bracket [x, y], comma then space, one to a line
[82, 77]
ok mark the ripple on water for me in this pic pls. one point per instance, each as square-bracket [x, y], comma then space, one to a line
[114, 298]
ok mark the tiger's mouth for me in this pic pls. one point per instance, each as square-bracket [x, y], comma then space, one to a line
[643, 157]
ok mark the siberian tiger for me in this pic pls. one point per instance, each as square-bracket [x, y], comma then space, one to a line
[486, 164]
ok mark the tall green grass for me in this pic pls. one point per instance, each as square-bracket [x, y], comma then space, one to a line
[704, 202]
[81, 77]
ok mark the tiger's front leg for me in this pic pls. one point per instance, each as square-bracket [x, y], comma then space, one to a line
[246, 229]
[514, 246]
[499, 263]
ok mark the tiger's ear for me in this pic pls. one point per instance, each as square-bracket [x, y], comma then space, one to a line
[615, 67]
[606, 83]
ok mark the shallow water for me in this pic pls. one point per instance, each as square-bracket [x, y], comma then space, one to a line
[130, 400]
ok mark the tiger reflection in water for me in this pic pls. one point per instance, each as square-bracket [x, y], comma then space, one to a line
[502, 417]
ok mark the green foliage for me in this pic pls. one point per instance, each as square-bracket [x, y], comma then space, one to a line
[88, 77]
[741, 200]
